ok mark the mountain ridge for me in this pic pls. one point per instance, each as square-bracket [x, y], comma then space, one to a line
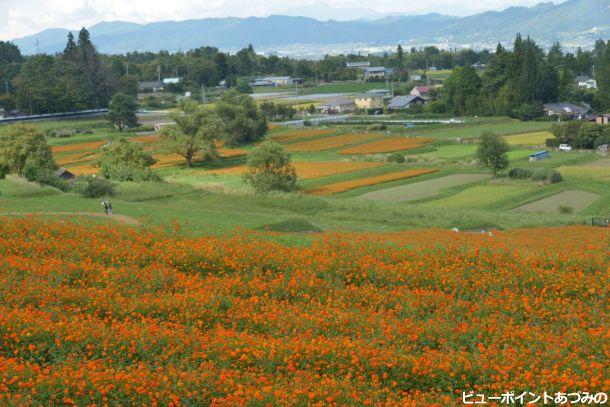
[573, 22]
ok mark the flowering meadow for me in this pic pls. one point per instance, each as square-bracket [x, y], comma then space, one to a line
[311, 169]
[96, 314]
[343, 186]
[328, 143]
[387, 145]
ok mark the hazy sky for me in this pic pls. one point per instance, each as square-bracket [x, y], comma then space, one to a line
[23, 17]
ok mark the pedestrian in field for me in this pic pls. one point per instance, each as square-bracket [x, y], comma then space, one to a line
[109, 208]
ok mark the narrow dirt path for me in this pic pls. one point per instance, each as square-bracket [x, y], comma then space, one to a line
[128, 220]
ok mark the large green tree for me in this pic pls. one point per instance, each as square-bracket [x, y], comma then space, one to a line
[23, 145]
[492, 152]
[462, 89]
[122, 111]
[197, 128]
[244, 121]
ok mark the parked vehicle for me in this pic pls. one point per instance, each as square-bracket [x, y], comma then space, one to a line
[565, 147]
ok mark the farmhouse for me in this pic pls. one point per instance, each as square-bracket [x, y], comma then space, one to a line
[404, 102]
[574, 112]
[369, 101]
[584, 82]
[603, 119]
[376, 72]
[358, 65]
[338, 105]
[478, 66]
[422, 91]
[150, 86]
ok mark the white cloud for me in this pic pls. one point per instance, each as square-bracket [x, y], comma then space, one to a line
[23, 17]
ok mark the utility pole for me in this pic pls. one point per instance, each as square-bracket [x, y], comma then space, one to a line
[203, 93]
[127, 67]
[159, 72]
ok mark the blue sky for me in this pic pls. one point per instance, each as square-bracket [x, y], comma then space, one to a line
[24, 17]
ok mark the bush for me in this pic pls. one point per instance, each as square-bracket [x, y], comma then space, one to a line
[540, 174]
[554, 177]
[94, 187]
[123, 172]
[269, 169]
[377, 126]
[552, 142]
[520, 173]
[566, 209]
[4, 170]
[396, 158]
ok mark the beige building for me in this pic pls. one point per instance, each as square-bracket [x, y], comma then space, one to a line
[367, 102]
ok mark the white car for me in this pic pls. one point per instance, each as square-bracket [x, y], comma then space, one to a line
[565, 147]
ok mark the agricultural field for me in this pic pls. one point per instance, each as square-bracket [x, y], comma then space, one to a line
[387, 145]
[483, 195]
[115, 315]
[529, 139]
[345, 180]
[572, 200]
[424, 189]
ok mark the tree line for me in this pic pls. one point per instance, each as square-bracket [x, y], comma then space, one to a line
[515, 82]
[518, 82]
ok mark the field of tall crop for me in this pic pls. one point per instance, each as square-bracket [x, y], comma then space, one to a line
[109, 315]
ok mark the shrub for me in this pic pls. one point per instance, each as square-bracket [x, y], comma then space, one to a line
[554, 176]
[269, 169]
[125, 172]
[551, 142]
[566, 209]
[520, 173]
[396, 158]
[377, 126]
[94, 187]
[4, 170]
[539, 174]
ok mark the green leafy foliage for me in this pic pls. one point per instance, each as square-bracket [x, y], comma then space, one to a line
[196, 130]
[269, 169]
[93, 187]
[492, 152]
[22, 145]
[122, 111]
[243, 120]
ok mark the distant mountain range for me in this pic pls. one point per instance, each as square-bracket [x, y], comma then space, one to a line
[574, 23]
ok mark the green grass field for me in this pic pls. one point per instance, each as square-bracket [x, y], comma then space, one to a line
[422, 190]
[573, 199]
[459, 194]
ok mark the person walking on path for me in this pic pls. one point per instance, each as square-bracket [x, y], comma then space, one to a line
[107, 207]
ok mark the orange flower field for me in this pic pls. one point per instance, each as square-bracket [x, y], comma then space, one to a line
[387, 145]
[365, 182]
[310, 170]
[111, 315]
[328, 143]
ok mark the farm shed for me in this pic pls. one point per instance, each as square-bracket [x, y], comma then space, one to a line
[338, 105]
[64, 174]
[540, 155]
[404, 102]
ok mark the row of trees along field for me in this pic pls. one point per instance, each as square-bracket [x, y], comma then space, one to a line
[521, 79]
[518, 82]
